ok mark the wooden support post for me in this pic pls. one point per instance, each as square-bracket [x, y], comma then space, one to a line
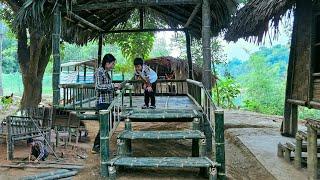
[128, 127]
[189, 57]
[213, 173]
[298, 153]
[104, 142]
[9, 140]
[141, 13]
[312, 160]
[206, 45]
[100, 49]
[112, 173]
[203, 153]
[121, 148]
[219, 139]
[130, 95]
[57, 136]
[56, 54]
[195, 142]
[287, 154]
[85, 72]
[280, 150]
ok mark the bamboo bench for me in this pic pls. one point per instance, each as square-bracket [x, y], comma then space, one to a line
[306, 142]
[22, 128]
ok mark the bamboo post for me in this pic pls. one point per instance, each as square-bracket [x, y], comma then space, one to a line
[9, 140]
[202, 153]
[195, 142]
[188, 44]
[57, 136]
[219, 139]
[130, 94]
[121, 148]
[312, 160]
[206, 44]
[287, 154]
[112, 173]
[104, 142]
[56, 54]
[100, 49]
[128, 127]
[280, 150]
[213, 173]
[298, 153]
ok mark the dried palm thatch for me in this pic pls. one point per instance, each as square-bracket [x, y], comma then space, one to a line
[179, 67]
[252, 21]
[172, 16]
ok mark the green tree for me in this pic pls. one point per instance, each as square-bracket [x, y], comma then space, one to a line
[31, 22]
[263, 87]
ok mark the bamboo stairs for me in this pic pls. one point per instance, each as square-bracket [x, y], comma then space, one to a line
[125, 158]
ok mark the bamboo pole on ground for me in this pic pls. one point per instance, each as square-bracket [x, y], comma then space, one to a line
[219, 142]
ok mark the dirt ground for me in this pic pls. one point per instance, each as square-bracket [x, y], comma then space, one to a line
[240, 163]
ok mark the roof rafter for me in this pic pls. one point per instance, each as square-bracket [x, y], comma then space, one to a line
[85, 21]
[194, 12]
[132, 4]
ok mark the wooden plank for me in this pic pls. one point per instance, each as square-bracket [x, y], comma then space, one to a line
[131, 4]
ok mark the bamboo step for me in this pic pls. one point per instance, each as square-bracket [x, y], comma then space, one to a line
[156, 115]
[187, 134]
[162, 162]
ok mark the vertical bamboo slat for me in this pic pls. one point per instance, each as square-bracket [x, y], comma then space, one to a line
[219, 139]
[104, 142]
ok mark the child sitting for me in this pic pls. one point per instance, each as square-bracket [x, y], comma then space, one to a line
[37, 149]
[149, 77]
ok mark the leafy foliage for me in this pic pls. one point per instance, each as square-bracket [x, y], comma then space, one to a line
[133, 45]
[225, 92]
[263, 86]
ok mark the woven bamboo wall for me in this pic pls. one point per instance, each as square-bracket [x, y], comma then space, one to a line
[316, 90]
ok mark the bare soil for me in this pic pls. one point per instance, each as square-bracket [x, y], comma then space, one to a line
[240, 163]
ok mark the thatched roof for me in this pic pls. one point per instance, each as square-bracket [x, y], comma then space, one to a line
[252, 21]
[179, 67]
[109, 15]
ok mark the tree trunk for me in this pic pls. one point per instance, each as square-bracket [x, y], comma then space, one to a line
[33, 60]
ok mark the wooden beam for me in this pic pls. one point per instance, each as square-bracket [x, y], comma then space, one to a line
[142, 30]
[85, 21]
[194, 13]
[177, 16]
[132, 4]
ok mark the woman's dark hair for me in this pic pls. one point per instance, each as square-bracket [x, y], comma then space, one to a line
[29, 140]
[108, 58]
[138, 61]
